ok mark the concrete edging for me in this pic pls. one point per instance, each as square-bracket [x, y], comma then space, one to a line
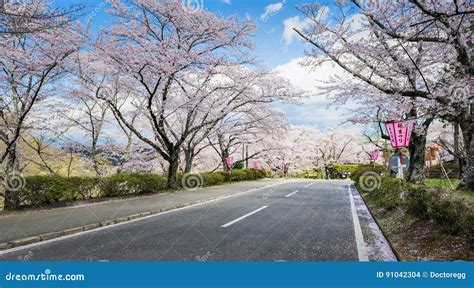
[395, 252]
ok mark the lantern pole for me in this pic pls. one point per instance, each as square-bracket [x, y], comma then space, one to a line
[400, 164]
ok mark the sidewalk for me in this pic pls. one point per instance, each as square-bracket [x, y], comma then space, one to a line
[25, 227]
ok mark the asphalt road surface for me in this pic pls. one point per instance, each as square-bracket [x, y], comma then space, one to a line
[298, 220]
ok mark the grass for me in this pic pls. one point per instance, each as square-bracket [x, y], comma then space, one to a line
[441, 183]
[444, 184]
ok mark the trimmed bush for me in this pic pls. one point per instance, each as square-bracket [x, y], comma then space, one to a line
[50, 189]
[41, 190]
[130, 184]
[437, 172]
[243, 174]
[340, 168]
[210, 178]
[361, 169]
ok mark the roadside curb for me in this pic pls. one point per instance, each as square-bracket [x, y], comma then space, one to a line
[395, 252]
[89, 227]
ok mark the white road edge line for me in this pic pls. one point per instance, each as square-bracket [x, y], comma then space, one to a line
[292, 193]
[359, 237]
[8, 251]
[308, 185]
[243, 217]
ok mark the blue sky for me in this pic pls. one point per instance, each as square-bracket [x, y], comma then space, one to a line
[275, 48]
[271, 48]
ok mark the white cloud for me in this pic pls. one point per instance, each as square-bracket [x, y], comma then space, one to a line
[271, 10]
[297, 23]
[314, 110]
[291, 23]
[228, 2]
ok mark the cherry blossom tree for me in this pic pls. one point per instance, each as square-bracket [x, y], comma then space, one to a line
[236, 104]
[31, 65]
[30, 16]
[392, 78]
[306, 148]
[250, 134]
[155, 44]
[447, 27]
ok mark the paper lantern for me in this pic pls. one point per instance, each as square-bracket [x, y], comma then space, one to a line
[256, 164]
[229, 160]
[374, 155]
[399, 133]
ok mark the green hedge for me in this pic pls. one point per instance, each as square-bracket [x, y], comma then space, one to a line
[210, 178]
[361, 169]
[340, 168]
[243, 174]
[49, 189]
[453, 216]
[40, 190]
[131, 184]
[436, 171]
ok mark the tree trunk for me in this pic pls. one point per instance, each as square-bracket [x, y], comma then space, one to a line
[173, 172]
[469, 173]
[188, 159]
[457, 152]
[11, 199]
[417, 153]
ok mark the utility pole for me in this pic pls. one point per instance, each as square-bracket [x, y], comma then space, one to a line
[247, 157]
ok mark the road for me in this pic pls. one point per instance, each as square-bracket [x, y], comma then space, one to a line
[302, 220]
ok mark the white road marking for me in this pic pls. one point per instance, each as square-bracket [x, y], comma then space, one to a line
[289, 195]
[11, 250]
[359, 237]
[243, 217]
[308, 185]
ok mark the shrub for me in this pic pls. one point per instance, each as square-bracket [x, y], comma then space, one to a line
[448, 213]
[436, 171]
[389, 194]
[133, 183]
[244, 174]
[50, 189]
[85, 187]
[210, 178]
[238, 175]
[468, 227]
[40, 190]
[418, 203]
[361, 169]
[339, 168]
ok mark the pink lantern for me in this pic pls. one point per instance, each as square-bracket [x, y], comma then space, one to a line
[229, 160]
[256, 164]
[399, 133]
[374, 155]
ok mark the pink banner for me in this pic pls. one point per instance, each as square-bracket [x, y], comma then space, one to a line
[256, 164]
[374, 155]
[229, 160]
[399, 133]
